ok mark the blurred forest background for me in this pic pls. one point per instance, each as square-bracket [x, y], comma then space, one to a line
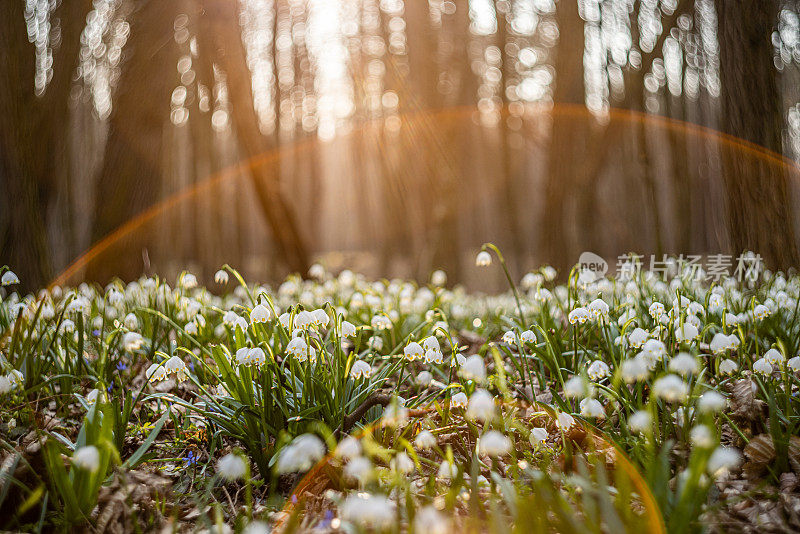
[393, 137]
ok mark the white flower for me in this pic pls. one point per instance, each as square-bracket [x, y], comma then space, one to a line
[671, 388]
[638, 337]
[176, 366]
[774, 357]
[286, 320]
[728, 367]
[87, 458]
[528, 336]
[360, 368]
[686, 332]
[434, 356]
[761, 312]
[425, 440]
[260, 314]
[640, 422]
[549, 273]
[301, 454]
[395, 415]
[156, 373]
[439, 278]
[509, 337]
[447, 470]
[9, 278]
[710, 402]
[565, 421]
[375, 342]
[578, 315]
[656, 310]
[634, 370]
[5, 385]
[413, 351]
[576, 388]
[257, 357]
[359, 470]
[702, 437]
[794, 363]
[481, 406]
[483, 259]
[257, 527]
[381, 322]
[190, 328]
[368, 511]
[303, 319]
[723, 459]
[473, 369]
[221, 276]
[321, 318]
[592, 408]
[424, 378]
[493, 443]
[762, 366]
[598, 308]
[187, 280]
[348, 448]
[231, 467]
[132, 341]
[655, 349]
[720, 343]
[316, 271]
[92, 396]
[459, 400]
[402, 463]
[15, 378]
[298, 348]
[537, 435]
[348, 329]
[130, 322]
[684, 364]
[598, 370]
[429, 521]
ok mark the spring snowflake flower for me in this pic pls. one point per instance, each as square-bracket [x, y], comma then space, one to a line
[447, 470]
[303, 319]
[68, 326]
[640, 422]
[592, 408]
[359, 470]
[483, 259]
[684, 364]
[375, 342]
[348, 329]
[473, 369]
[256, 356]
[599, 309]
[5, 385]
[425, 440]
[537, 435]
[565, 421]
[794, 364]
[360, 369]
[381, 322]
[16, 378]
[434, 356]
[413, 351]
[762, 367]
[394, 415]
[316, 271]
[702, 437]
[92, 397]
[576, 388]
[176, 366]
[494, 444]
[190, 328]
[10, 279]
[221, 276]
[655, 349]
[439, 278]
[528, 336]
[431, 521]
[481, 406]
[761, 312]
[671, 388]
[367, 511]
[321, 318]
[402, 463]
[301, 454]
[728, 367]
[774, 357]
[634, 370]
[578, 315]
[298, 348]
[130, 321]
[598, 370]
[549, 273]
[187, 281]
[711, 402]
[656, 310]
[638, 337]
[459, 400]
[723, 459]
[87, 458]
[509, 337]
[156, 373]
[231, 467]
[424, 378]
[348, 448]
[686, 331]
[286, 320]
[257, 527]
[260, 314]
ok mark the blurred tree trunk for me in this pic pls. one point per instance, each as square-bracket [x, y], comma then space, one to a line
[759, 217]
[132, 172]
[33, 131]
[567, 140]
